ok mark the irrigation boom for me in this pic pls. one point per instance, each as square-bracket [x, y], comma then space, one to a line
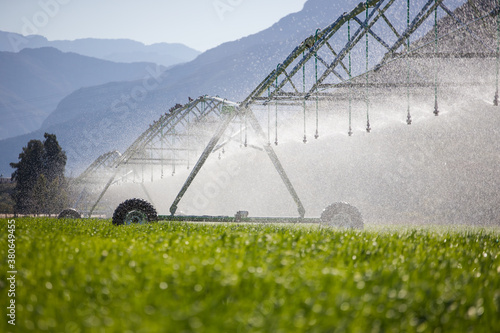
[362, 51]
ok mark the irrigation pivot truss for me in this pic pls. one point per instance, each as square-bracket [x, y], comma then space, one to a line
[380, 44]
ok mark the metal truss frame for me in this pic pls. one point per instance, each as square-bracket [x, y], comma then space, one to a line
[172, 132]
[288, 74]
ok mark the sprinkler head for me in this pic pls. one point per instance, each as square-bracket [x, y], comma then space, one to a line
[350, 132]
[316, 135]
[368, 128]
[408, 120]
[305, 139]
[436, 109]
[495, 101]
[276, 142]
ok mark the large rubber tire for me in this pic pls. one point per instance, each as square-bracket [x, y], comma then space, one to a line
[342, 215]
[69, 213]
[134, 211]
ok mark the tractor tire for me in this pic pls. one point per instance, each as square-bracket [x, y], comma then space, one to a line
[342, 215]
[69, 213]
[134, 211]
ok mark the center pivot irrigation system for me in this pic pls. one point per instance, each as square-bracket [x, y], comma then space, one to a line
[380, 45]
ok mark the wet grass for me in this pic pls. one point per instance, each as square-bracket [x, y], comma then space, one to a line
[89, 276]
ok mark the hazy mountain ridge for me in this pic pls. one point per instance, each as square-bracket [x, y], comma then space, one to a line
[33, 81]
[36, 74]
[117, 50]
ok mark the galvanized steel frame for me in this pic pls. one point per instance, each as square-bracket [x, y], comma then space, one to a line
[272, 89]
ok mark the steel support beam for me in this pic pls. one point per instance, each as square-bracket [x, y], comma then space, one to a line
[213, 143]
[417, 21]
[309, 50]
[362, 31]
[254, 122]
[203, 158]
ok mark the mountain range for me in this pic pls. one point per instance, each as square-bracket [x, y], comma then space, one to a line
[34, 81]
[36, 74]
[117, 50]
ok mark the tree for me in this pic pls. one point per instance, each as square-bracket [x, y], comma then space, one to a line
[28, 169]
[40, 194]
[54, 160]
[58, 195]
[39, 177]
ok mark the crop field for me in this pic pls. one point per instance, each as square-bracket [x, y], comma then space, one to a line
[90, 276]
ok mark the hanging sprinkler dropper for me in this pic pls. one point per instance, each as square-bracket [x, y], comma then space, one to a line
[316, 135]
[408, 117]
[269, 116]
[304, 100]
[495, 101]
[276, 111]
[246, 133]
[368, 128]
[436, 108]
[350, 77]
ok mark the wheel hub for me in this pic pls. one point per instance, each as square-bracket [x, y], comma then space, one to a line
[136, 217]
[342, 220]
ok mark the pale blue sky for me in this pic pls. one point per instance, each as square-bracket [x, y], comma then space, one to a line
[201, 24]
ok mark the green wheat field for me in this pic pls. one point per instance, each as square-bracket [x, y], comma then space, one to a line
[90, 276]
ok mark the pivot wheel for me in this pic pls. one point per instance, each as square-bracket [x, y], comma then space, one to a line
[342, 215]
[69, 213]
[134, 211]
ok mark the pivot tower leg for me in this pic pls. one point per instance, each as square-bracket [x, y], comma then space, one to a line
[203, 158]
[276, 162]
